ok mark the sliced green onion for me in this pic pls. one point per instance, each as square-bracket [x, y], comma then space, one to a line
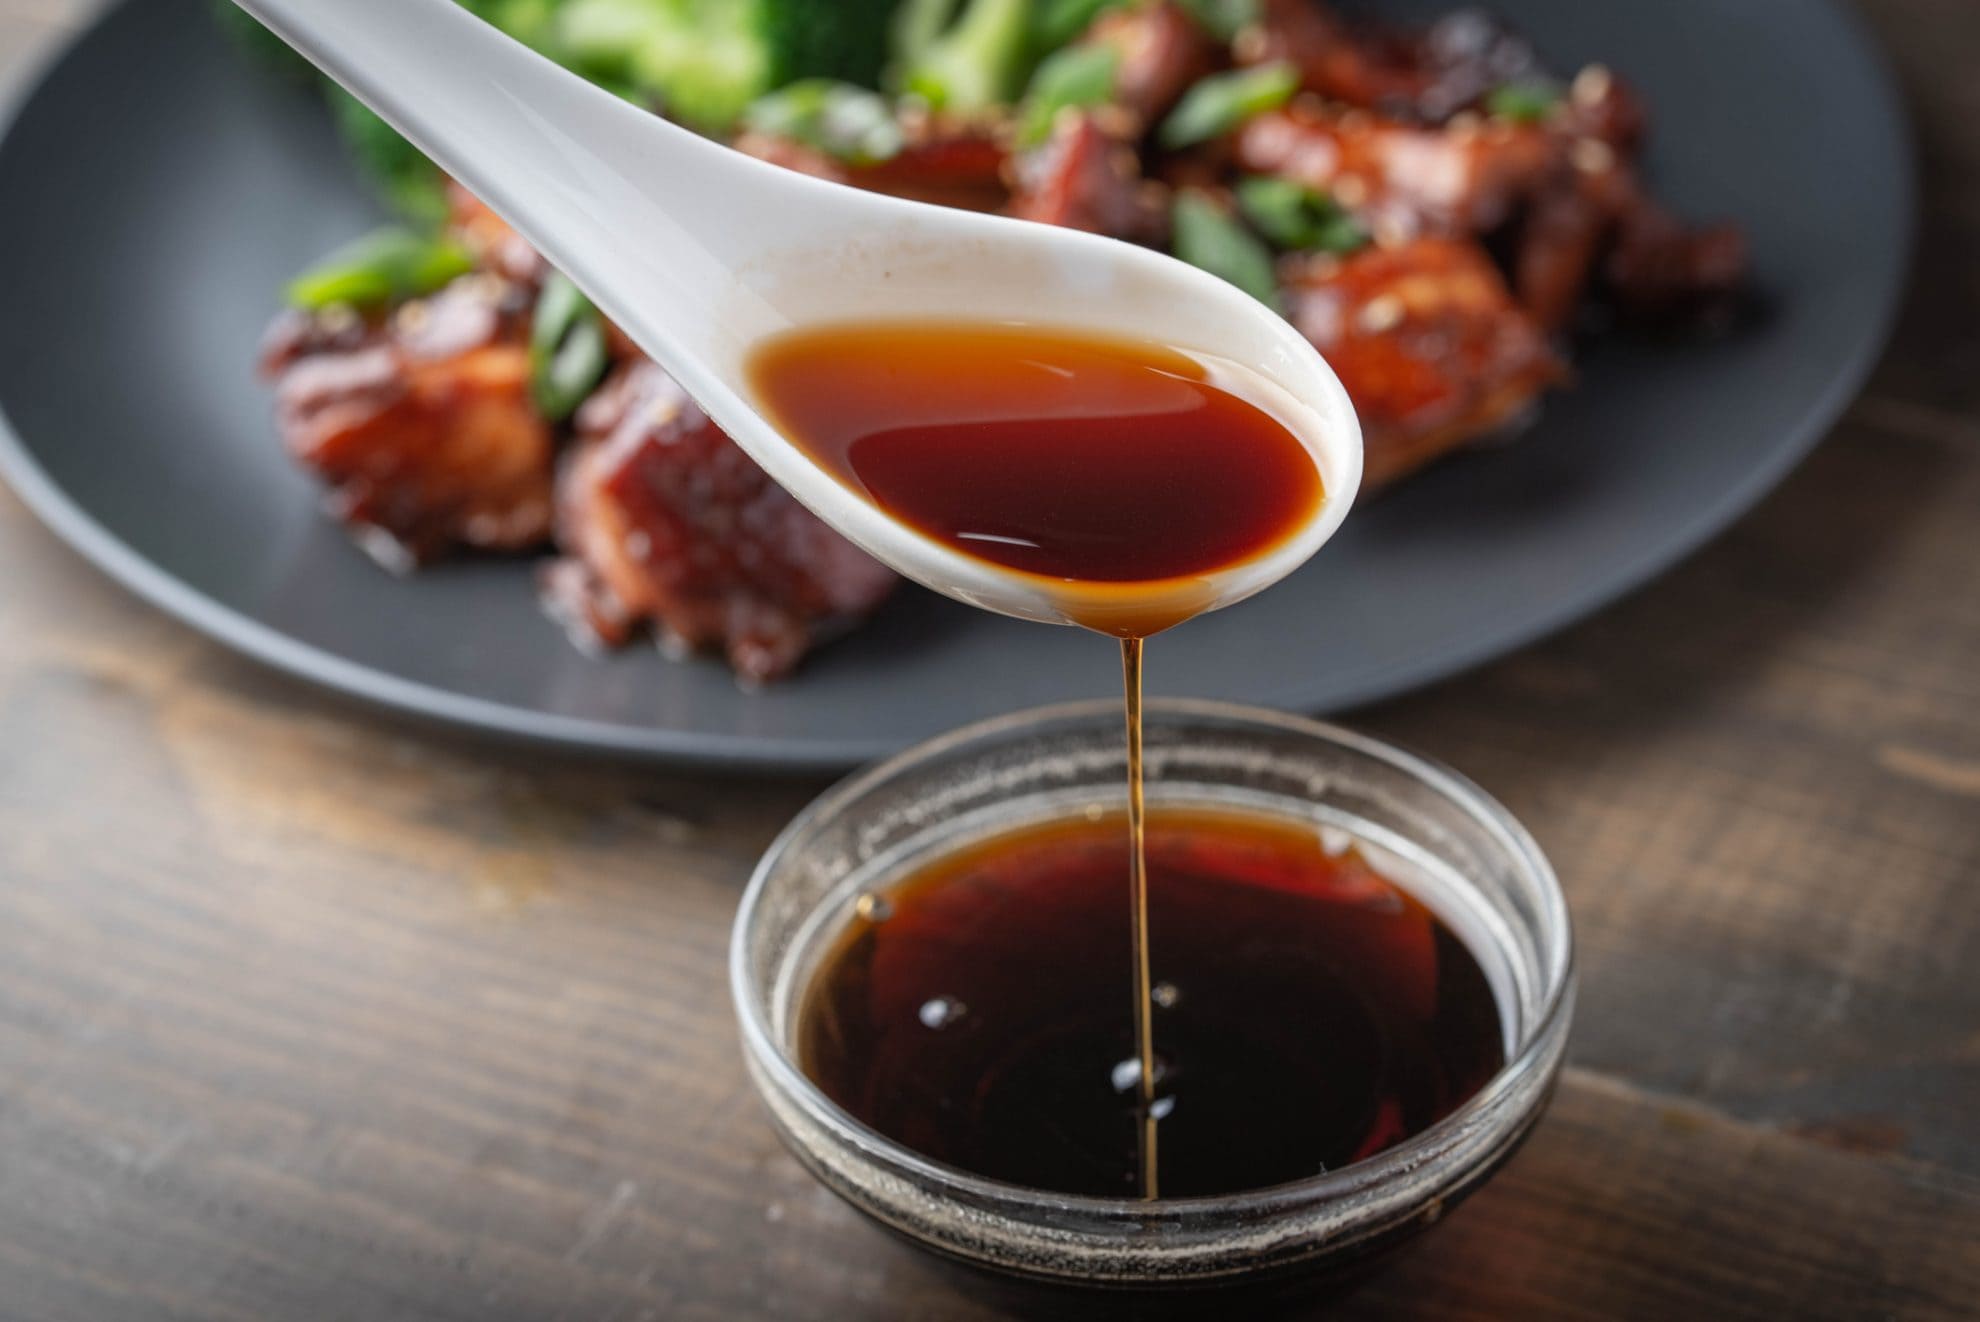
[837, 118]
[1221, 102]
[1075, 76]
[566, 348]
[568, 377]
[1223, 19]
[916, 27]
[1524, 103]
[385, 266]
[1209, 237]
[559, 309]
[1294, 216]
[1057, 22]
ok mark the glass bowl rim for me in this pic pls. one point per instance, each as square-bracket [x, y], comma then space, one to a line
[1536, 1044]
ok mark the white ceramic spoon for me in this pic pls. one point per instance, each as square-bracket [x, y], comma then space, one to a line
[699, 253]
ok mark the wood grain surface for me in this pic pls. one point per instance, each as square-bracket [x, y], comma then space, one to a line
[308, 1014]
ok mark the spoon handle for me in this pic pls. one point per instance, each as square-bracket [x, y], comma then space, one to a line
[647, 218]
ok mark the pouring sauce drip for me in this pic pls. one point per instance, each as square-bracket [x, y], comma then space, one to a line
[1114, 470]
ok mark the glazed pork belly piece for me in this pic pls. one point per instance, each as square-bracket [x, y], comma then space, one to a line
[664, 521]
[1087, 176]
[420, 420]
[941, 161]
[947, 164]
[1404, 179]
[1428, 342]
[1425, 74]
[1565, 191]
[1161, 50]
[1597, 226]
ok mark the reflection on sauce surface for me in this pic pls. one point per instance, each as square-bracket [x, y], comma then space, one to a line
[1308, 1011]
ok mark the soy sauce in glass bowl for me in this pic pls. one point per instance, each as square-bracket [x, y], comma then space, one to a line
[1457, 895]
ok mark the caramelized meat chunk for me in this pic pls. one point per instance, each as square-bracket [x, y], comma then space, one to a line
[1162, 52]
[1597, 218]
[1087, 176]
[665, 521]
[946, 163]
[1403, 179]
[1424, 75]
[1428, 342]
[1559, 244]
[1666, 273]
[421, 422]
[1602, 106]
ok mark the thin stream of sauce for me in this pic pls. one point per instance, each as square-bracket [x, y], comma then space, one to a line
[1144, 983]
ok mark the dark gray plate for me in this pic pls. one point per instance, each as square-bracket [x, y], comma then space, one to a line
[156, 193]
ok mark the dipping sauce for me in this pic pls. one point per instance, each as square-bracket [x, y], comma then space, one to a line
[1308, 1011]
[1067, 456]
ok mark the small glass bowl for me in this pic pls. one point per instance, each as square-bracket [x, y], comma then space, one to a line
[1459, 852]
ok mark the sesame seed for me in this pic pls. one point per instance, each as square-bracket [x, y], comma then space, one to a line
[1116, 120]
[1592, 85]
[1382, 313]
[1592, 155]
[1392, 232]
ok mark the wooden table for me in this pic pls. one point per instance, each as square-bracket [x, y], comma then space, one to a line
[304, 1014]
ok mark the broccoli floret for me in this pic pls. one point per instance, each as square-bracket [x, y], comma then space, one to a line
[841, 39]
[705, 60]
[966, 63]
[702, 61]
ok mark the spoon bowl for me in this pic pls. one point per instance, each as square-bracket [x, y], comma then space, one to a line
[700, 253]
